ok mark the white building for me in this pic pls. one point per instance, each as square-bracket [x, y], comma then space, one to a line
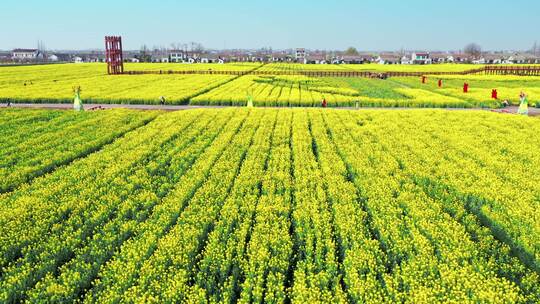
[421, 58]
[481, 60]
[388, 59]
[300, 55]
[406, 60]
[26, 54]
[53, 58]
[177, 56]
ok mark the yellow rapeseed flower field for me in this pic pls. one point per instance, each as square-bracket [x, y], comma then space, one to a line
[269, 205]
[54, 84]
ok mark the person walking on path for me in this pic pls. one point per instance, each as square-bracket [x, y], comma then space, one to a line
[162, 100]
[523, 104]
[9, 103]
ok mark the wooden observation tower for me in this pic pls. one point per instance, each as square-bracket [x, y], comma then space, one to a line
[113, 55]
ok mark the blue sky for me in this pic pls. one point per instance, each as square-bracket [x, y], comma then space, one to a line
[367, 25]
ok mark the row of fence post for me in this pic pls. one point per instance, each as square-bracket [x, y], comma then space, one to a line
[488, 70]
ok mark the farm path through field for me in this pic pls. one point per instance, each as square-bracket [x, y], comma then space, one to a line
[67, 106]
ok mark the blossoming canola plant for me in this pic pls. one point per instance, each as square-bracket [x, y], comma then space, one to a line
[248, 205]
[36, 142]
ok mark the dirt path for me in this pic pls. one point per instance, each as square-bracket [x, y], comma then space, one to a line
[66, 106]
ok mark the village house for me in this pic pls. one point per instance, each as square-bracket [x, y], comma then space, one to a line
[300, 55]
[493, 58]
[522, 59]
[388, 59]
[239, 56]
[460, 58]
[59, 57]
[177, 56]
[261, 56]
[438, 57]
[533, 59]
[406, 60]
[281, 57]
[5, 56]
[421, 58]
[26, 54]
[480, 60]
[450, 59]
[352, 59]
[515, 59]
[316, 59]
[212, 58]
[257, 57]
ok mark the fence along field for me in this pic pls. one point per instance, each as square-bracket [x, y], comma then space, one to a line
[270, 85]
[274, 205]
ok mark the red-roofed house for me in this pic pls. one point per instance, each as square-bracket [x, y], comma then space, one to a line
[421, 58]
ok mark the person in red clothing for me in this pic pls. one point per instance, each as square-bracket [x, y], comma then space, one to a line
[494, 94]
[324, 103]
[440, 83]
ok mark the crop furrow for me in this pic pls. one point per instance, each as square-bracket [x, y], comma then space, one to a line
[127, 261]
[175, 159]
[175, 255]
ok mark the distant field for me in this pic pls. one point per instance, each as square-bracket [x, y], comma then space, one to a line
[41, 84]
[375, 67]
[414, 68]
[54, 83]
[189, 67]
[508, 87]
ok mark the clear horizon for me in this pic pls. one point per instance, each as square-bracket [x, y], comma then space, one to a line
[367, 26]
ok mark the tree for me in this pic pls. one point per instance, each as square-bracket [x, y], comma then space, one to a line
[198, 48]
[474, 50]
[144, 54]
[351, 51]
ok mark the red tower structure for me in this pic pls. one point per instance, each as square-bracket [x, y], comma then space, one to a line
[113, 55]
